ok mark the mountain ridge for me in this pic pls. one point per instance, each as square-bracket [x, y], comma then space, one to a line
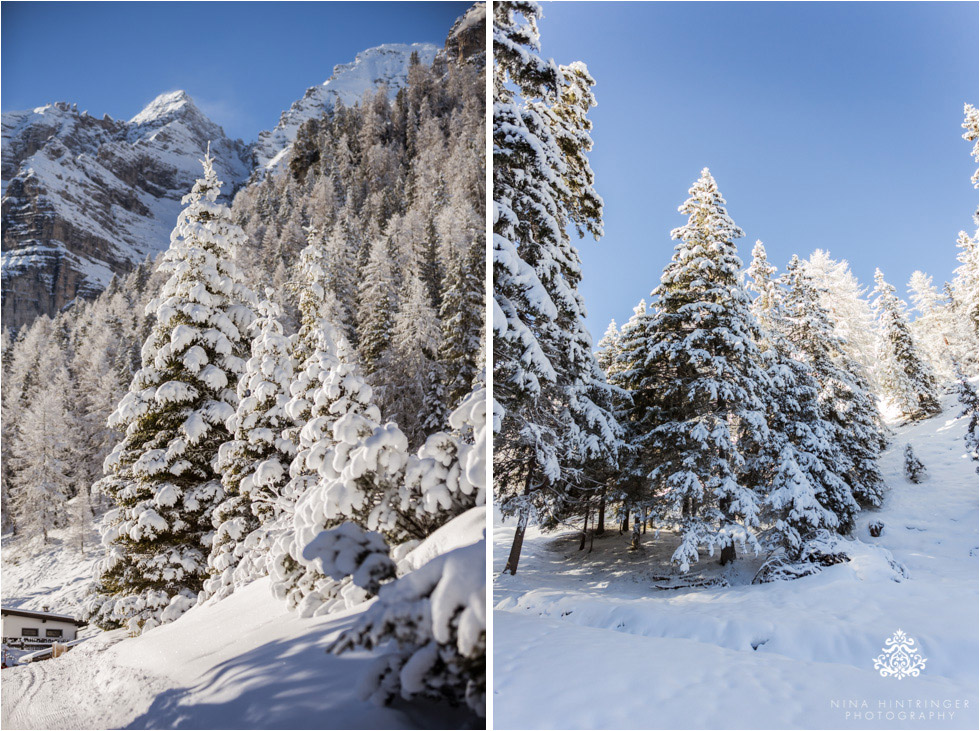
[87, 198]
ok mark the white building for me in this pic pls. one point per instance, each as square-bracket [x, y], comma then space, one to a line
[25, 627]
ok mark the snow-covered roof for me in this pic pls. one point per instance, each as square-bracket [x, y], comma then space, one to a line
[42, 615]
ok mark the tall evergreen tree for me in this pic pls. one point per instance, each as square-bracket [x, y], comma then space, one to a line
[558, 422]
[161, 476]
[254, 464]
[905, 378]
[934, 329]
[846, 402]
[711, 430]
[804, 494]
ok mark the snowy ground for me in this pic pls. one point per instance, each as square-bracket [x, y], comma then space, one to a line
[609, 650]
[243, 662]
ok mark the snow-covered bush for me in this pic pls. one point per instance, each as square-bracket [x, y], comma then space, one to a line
[349, 550]
[435, 621]
[915, 471]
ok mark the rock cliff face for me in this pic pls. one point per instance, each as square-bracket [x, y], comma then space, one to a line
[86, 198]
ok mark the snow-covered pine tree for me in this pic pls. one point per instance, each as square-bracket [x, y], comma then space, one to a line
[638, 381]
[934, 328]
[843, 297]
[316, 351]
[846, 402]
[970, 401]
[915, 471]
[804, 494]
[559, 424]
[525, 156]
[710, 417]
[965, 289]
[44, 454]
[161, 477]
[431, 621]
[463, 299]
[905, 378]
[416, 398]
[608, 349]
[254, 464]
[377, 303]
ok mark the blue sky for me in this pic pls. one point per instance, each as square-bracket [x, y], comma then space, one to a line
[826, 125]
[242, 62]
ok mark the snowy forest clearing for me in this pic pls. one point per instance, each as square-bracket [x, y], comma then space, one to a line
[244, 662]
[619, 653]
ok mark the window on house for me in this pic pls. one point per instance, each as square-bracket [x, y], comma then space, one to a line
[52, 633]
[28, 632]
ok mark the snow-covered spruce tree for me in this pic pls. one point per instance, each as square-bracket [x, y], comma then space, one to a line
[377, 304]
[710, 378]
[524, 156]
[254, 464]
[846, 402]
[915, 471]
[418, 399]
[803, 493]
[967, 396]
[905, 378]
[161, 477]
[843, 297]
[965, 289]
[462, 311]
[934, 328]
[632, 373]
[437, 487]
[557, 421]
[316, 351]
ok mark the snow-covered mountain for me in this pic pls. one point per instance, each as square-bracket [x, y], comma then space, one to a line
[387, 64]
[85, 198]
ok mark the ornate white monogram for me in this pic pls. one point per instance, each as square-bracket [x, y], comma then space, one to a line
[900, 658]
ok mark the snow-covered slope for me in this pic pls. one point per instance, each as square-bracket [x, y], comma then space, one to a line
[243, 662]
[619, 653]
[86, 198]
[57, 575]
[387, 64]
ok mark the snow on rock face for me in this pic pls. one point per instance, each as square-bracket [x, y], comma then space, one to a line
[386, 64]
[86, 198]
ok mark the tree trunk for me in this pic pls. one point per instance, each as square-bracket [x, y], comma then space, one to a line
[728, 554]
[585, 528]
[515, 548]
[601, 527]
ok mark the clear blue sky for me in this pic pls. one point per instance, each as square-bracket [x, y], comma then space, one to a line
[243, 63]
[826, 125]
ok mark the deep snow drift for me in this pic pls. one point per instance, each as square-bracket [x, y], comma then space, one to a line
[609, 649]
